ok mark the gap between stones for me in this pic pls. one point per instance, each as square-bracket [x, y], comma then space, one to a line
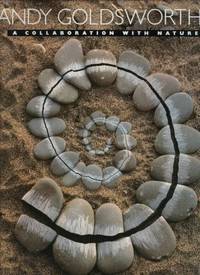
[96, 238]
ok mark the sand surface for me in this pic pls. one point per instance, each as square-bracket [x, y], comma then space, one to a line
[21, 61]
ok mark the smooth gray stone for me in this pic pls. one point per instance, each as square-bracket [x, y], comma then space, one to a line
[86, 140]
[39, 103]
[155, 241]
[92, 152]
[71, 178]
[89, 124]
[84, 133]
[61, 91]
[124, 128]
[99, 118]
[33, 235]
[92, 177]
[101, 75]
[54, 125]
[70, 57]
[99, 152]
[187, 137]
[88, 147]
[124, 141]
[46, 196]
[189, 169]
[117, 256]
[75, 258]
[125, 161]
[127, 82]
[180, 106]
[164, 84]
[63, 163]
[111, 123]
[181, 206]
[44, 149]
[111, 176]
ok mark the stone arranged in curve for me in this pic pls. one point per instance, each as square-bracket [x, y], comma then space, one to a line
[62, 91]
[155, 241]
[111, 176]
[116, 256]
[64, 163]
[112, 123]
[101, 75]
[126, 82]
[99, 118]
[33, 235]
[70, 57]
[44, 149]
[71, 178]
[125, 141]
[92, 176]
[36, 106]
[75, 258]
[125, 161]
[180, 106]
[180, 207]
[187, 137]
[47, 197]
[55, 126]
[189, 169]
[164, 84]
[124, 127]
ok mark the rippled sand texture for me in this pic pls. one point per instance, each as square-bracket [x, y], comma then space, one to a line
[21, 61]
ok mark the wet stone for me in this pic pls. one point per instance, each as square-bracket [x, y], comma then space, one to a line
[75, 258]
[155, 241]
[125, 161]
[187, 137]
[71, 178]
[92, 177]
[33, 235]
[127, 82]
[189, 169]
[63, 163]
[117, 256]
[182, 204]
[54, 125]
[40, 103]
[124, 141]
[124, 128]
[44, 149]
[46, 196]
[111, 176]
[98, 118]
[180, 106]
[111, 123]
[164, 84]
[61, 91]
[70, 57]
[102, 75]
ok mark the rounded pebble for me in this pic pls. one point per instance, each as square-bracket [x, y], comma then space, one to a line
[44, 149]
[89, 124]
[125, 161]
[127, 82]
[42, 103]
[155, 241]
[33, 235]
[189, 169]
[164, 84]
[187, 137]
[92, 177]
[124, 141]
[116, 256]
[64, 162]
[75, 258]
[71, 178]
[180, 106]
[181, 205]
[111, 123]
[111, 176]
[46, 196]
[54, 125]
[84, 133]
[102, 75]
[124, 128]
[70, 57]
[98, 118]
[61, 91]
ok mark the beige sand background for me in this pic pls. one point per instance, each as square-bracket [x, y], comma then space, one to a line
[21, 61]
